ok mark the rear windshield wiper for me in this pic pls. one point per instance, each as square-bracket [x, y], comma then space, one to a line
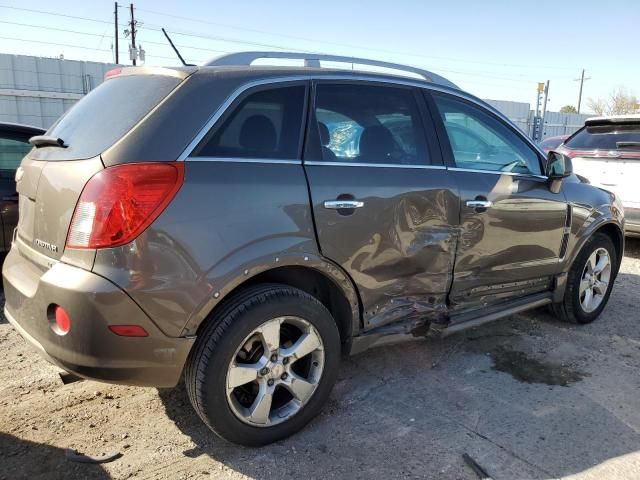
[627, 144]
[40, 141]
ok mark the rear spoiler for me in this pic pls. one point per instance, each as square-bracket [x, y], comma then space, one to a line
[613, 120]
[178, 72]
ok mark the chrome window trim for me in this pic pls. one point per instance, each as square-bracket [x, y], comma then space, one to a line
[498, 172]
[210, 123]
[276, 161]
[319, 163]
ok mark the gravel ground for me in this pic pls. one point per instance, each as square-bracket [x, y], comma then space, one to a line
[527, 397]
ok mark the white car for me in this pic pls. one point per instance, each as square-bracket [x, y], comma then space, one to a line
[607, 152]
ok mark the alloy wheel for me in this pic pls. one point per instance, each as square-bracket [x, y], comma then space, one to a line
[595, 280]
[275, 371]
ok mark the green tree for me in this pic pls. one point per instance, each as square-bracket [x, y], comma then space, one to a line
[568, 109]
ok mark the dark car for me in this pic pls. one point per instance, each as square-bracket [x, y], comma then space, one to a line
[238, 227]
[14, 144]
[607, 152]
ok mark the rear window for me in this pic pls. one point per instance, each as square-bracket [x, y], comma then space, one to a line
[102, 117]
[605, 137]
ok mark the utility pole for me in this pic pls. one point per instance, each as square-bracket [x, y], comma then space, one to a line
[132, 23]
[537, 119]
[115, 13]
[581, 80]
[544, 109]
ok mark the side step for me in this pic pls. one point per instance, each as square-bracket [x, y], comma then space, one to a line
[411, 329]
[466, 320]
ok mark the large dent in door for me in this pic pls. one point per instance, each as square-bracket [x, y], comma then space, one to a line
[413, 255]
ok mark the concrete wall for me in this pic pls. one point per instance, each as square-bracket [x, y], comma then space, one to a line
[36, 91]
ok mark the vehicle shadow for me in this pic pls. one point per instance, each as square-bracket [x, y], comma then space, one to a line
[22, 459]
[411, 410]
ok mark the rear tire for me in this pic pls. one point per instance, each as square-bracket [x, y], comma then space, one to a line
[264, 365]
[589, 281]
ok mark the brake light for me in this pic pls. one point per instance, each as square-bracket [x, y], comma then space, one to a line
[119, 203]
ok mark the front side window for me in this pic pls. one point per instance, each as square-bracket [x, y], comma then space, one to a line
[266, 124]
[11, 153]
[369, 124]
[482, 142]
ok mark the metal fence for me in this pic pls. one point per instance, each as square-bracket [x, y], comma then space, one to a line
[555, 123]
[36, 91]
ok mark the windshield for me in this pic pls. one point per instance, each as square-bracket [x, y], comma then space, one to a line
[106, 114]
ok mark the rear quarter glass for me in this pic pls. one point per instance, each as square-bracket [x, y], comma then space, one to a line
[105, 115]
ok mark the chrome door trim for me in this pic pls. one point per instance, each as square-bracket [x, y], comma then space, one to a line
[318, 163]
[245, 160]
[495, 172]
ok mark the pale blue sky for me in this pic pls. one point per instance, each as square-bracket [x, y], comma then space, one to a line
[495, 49]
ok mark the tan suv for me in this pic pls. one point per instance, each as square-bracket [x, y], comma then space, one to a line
[240, 226]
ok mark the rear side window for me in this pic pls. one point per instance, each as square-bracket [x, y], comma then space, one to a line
[266, 124]
[369, 124]
[11, 153]
[106, 114]
[606, 137]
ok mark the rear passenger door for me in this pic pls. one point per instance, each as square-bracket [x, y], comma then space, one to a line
[384, 207]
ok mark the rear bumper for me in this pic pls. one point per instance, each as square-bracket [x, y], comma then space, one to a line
[89, 349]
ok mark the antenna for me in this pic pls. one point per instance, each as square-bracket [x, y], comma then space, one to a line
[176, 50]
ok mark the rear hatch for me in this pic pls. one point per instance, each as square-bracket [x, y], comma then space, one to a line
[52, 177]
[608, 154]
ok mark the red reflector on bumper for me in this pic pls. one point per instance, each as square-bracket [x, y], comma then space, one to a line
[128, 330]
[62, 320]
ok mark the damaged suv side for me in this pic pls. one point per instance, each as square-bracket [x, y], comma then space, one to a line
[241, 226]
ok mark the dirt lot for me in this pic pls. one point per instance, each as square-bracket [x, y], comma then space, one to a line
[527, 397]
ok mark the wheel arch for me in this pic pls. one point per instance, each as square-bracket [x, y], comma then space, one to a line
[315, 276]
[613, 231]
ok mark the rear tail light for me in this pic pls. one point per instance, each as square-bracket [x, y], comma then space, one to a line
[119, 203]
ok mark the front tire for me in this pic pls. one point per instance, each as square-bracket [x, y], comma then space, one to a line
[264, 365]
[589, 281]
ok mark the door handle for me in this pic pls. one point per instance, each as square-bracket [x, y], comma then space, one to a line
[479, 203]
[343, 204]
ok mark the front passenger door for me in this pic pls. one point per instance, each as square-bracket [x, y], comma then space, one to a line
[512, 225]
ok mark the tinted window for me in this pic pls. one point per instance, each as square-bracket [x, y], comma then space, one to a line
[481, 141]
[606, 137]
[369, 124]
[265, 125]
[11, 153]
[102, 117]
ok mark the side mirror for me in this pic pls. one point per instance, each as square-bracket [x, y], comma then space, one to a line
[559, 166]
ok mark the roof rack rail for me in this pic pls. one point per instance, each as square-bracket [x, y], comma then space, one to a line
[313, 60]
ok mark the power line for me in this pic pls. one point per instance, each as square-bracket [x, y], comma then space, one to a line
[280, 47]
[343, 45]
